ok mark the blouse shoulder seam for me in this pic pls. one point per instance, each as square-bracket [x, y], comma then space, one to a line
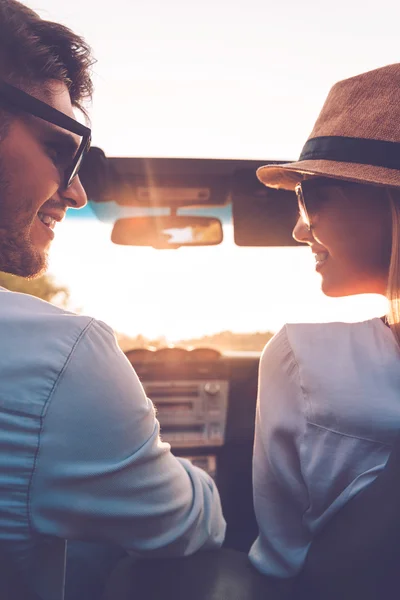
[295, 361]
[302, 442]
[348, 435]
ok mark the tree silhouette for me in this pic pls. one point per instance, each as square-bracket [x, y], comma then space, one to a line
[44, 287]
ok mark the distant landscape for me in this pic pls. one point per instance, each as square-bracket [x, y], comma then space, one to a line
[223, 341]
[48, 289]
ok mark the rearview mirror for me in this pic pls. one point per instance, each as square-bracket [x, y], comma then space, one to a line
[167, 232]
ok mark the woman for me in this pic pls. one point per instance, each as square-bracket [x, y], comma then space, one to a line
[329, 394]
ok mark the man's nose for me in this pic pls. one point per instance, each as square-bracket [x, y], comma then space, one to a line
[75, 195]
[301, 233]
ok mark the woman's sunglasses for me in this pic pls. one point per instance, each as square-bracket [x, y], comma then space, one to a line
[312, 193]
[16, 98]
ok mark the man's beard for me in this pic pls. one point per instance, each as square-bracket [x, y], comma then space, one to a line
[18, 256]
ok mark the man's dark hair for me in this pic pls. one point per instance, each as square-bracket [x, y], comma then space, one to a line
[34, 51]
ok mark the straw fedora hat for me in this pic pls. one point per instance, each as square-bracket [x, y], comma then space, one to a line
[356, 136]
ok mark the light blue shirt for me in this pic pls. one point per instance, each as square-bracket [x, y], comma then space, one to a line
[328, 412]
[80, 451]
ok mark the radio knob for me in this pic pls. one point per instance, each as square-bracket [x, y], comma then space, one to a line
[212, 388]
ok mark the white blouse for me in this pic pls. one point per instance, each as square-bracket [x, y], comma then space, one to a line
[327, 413]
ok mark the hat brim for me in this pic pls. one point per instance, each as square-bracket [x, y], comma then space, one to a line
[286, 176]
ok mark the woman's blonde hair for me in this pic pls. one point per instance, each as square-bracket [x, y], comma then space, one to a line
[393, 287]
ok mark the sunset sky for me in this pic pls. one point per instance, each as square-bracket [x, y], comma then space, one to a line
[212, 79]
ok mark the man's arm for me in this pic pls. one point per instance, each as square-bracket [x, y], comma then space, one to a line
[102, 472]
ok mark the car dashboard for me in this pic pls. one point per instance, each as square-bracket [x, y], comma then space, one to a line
[205, 403]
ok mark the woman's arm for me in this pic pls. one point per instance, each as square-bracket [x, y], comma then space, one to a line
[280, 492]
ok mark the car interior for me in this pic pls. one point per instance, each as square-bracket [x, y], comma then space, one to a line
[205, 398]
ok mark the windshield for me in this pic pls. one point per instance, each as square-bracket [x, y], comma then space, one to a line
[210, 80]
[227, 297]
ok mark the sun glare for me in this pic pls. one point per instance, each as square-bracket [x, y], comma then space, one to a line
[193, 292]
[196, 80]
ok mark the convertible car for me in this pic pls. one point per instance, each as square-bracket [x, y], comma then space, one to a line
[205, 391]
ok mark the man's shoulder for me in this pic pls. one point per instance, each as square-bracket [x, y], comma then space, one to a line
[19, 307]
[37, 341]
[30, 322]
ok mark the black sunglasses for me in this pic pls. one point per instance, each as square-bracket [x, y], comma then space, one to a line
[311, 194]
[15, 97]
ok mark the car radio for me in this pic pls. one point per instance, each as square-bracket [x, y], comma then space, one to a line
[191, 413]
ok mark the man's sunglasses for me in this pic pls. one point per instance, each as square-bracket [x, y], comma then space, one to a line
[311, 194]
[16, 98]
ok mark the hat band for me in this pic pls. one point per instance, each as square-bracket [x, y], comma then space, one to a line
[378, 153]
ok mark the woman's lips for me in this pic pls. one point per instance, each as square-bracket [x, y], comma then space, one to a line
[320, 260]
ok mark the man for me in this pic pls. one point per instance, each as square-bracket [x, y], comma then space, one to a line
[80, 453]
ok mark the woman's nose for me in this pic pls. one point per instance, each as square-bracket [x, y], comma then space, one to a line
[301, 233]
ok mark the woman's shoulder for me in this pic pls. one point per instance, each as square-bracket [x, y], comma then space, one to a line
[316, 342]
[335, 327]
[334, 333]
[337, 371]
